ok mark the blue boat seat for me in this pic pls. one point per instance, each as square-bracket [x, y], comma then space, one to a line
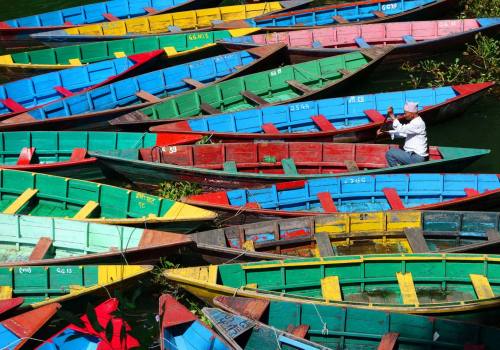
[409, 39]
[362, 43]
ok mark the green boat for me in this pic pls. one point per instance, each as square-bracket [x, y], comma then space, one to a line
[65, 153]
[31, 240]
[36, 194]
[287, 84]
[463, 286]
[175, 45]
[42, 285]
[360, 329]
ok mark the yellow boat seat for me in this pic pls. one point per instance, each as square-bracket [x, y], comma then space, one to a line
[330, 288]
[482, 286]
[86, 210]
[21, 201]
[407, 287]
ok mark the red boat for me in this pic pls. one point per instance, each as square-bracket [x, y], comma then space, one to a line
[10, 304]
[16, 331]
[345, 119]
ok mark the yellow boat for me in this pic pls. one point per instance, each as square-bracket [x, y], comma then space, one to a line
[174, 45]
[41, 285]
[451, 285]
[169, 22]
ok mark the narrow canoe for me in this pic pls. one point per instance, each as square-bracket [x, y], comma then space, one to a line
[66, 153]
[287, 84]
[249, 165]
[16, 331]
[351, 119]
[371, 11]
[41, 285]
[170, 23]
[411, 39]
[462, 286]
[247, 334]
[109, 11]
[181, 329]
[362, 329]
[37, 194]
[8, 305]
[31, 240]
[93, 109]
[357, 194]
[352, 234]
[24, 95]
[85, 336]
[38, 61]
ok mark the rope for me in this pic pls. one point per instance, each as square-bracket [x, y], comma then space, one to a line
[324, 331]
[235, 258]
[17, 341]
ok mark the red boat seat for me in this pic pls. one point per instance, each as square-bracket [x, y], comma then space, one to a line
[270, 128]
[252, 205]
[374, 115]
[26, 156]
[290, 185]
[379, 14]
[63, 91]
[41, 249]
[322, 123]
[388, 341]
[470, 192]
[327, 203]
[110, 17]
[4, 25]
[300, 331]
[78, 154]
[150, 10]
[393, 198]
[340, 19]
[13, 105]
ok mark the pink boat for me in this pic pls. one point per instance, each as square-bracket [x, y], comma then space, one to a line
[409, 38]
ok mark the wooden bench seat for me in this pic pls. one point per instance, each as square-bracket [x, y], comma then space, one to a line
[41, 249]
[21, 201]
[323, 244]
[407, 288]
[327, 203]
[289, 166]
[194, 83]
[26, 156]
[86, 210]
[254, 98]
[482, 286]
[330, 288]
[146, 96]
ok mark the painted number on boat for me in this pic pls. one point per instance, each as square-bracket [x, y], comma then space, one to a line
[231, 324]
[389, 7]
[64, 270]
[144, 199]
[24, 270]
[198, 36]
[354, 180]
[170, 149]
[356, 99]
[276, 72]
[299, 107]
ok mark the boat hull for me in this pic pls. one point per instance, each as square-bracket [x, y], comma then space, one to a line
[152, 173]
[400, 53]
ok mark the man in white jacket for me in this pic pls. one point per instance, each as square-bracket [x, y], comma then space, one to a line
[415, 148]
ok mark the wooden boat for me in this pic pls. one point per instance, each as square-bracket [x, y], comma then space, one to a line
[287, 84]
[462, 286]
[31, 240]
[372, 11]
[86, 336]
[66, 153]
[41, 285]
[351, 119]
[37, 194]
[181, 329]
[357, 194]
[10, 304]
[93, 109]
[410, 39]
[234, 165]
[243, 333]
[366, 328]
[39, 61]
[169, 23]
[352, 234]
[109, 11]
[17, 330]
[24, 95]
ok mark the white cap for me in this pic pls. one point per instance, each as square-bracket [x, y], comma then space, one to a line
[411, 107]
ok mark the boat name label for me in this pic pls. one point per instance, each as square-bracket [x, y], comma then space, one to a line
[64, 270]
[233, 325]
[389, 7]
[275, 72]
[198, 36]
[354, 99]
[24, 270]
[354, 180]
[299, 107]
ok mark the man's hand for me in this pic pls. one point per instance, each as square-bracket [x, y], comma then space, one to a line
[380, 132]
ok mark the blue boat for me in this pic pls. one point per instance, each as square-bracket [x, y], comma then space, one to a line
[94, 108]
[342, 119]
[348, 13]
[359, 194]
[95, 13]
[181, 329]
[26, 94]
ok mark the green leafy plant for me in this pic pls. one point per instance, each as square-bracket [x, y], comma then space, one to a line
[479, 8]
[479, 63]
[175, 190]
